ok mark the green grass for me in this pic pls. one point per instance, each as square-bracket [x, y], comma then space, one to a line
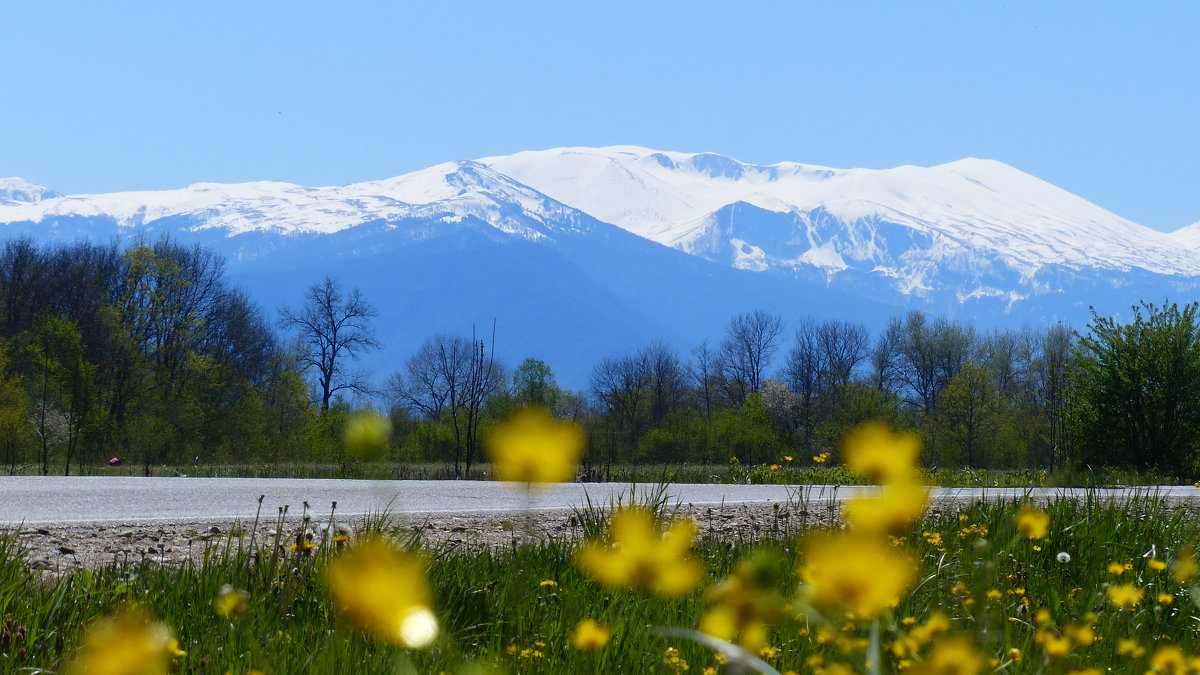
[491, 601]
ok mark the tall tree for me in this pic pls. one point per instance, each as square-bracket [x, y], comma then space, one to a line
[751, 340]
[333, 328]
[1137, 389]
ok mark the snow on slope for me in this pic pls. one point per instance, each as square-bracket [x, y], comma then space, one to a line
[21, 190]
[446, 192]
[1188, 236]
[976, 204]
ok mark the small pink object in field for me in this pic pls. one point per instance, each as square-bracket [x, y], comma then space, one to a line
[115, 461]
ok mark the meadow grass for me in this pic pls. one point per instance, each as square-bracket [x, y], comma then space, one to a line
[511, 609]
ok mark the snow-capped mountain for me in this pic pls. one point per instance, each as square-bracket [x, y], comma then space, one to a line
[579, 253]
[14, 190]
[907, 223]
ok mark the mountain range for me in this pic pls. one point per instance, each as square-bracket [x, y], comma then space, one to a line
[580, 253]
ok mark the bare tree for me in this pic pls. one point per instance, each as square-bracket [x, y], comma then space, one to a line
[619, 383]
[333, 328]
[750, 342]
[451, 378]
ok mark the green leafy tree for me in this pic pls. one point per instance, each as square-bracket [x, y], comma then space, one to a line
[1136, 387]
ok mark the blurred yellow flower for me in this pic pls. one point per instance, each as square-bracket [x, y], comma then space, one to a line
[1130, 648]
[366, 434]
[1015, 654]
[773, 467]
[1033, 523]
[821, 458]
[548, 583]
[1156, 564]
[589, 636]
[231, 602]
[876, 451]
[674, 661]
[129, 643]
[1169, 659]
[534, 448]
[1165, 598]
[994, 594]
[952, 656]
[855, 573]
[1056, 646]
[893, 510]
[1116, 568]
[1185, 567]
[1124, 596]
[384, 592]
[1082, 636]
[640, 555]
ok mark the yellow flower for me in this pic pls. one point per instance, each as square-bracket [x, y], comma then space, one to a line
[1015, 654]
[1165, 598]
[675, 662]
[1124, 596]
[1043, 617]
[1033, 523]
[1185, 566]
[384, 592]
[1087, 671]
[1156, 565]
[535, 448]
[787, 458]
[1116, 569]
[1168, 659]
[994, 594]
[774, 467]
[768, 652]
[640, 555]
[876, 451]
[1056, 646]
[129, 643]
[589, 636]
[858, 574]
[953, 656]
[366, 434]
[231, 602]
[1130, 648]
[548, 583]
[1082, 636]
[900, 504]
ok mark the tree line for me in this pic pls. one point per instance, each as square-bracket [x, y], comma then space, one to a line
[147, 353]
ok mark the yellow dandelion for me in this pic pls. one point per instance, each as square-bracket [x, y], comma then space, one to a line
[787, 458]
[548, 583]
[1125, 596]
[589, 636]
[952, 656]
[534, 448]
[858, 574]
[768, 652]
[1165, 598]
[1168, 659]
[1116, 569]
[366, 434]
[384, 592]
[893, 510]
[1033, 523]
[1082, 636]
[1185, 567]
[1156, 565]
[1057, 646]
[876, 451]
[231, 602]
[994, 594]
[129, 643]
[1015, 654]
[1130, 648]
[640, 555]
[774, 467]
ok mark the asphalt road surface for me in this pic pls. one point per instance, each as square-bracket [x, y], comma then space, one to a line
[51, 499]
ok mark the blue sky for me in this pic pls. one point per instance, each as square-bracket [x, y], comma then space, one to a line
[1102, 99]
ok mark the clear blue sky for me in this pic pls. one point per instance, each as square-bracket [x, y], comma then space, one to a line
[1101, 98]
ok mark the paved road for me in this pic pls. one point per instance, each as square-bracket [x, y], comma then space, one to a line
[37, 499]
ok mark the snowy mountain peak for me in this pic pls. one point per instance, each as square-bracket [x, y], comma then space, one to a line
[970, 207]
[21, 190]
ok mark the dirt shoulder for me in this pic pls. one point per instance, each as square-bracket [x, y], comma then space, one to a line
[57, 548]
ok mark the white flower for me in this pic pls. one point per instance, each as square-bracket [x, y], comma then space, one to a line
[1064, 557]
